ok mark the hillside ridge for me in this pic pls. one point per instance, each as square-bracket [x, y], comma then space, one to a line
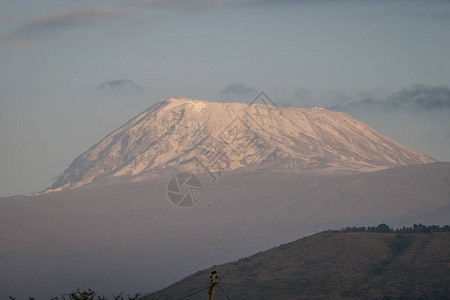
[335, 264]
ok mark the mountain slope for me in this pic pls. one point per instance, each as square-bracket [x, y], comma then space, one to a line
[334, 265]
[199, 136]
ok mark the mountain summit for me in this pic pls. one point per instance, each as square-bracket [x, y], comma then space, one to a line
[200, 136]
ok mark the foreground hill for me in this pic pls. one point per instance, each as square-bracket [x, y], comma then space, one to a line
[194, 135]
[128, 236]
[351, 265]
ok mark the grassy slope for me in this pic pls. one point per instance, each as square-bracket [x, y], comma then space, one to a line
[334, 265]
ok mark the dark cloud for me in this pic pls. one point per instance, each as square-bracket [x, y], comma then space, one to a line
[417, 98]
[76, 17]
[120, 85]
[238, 89]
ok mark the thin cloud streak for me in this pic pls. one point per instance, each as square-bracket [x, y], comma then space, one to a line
[183, 5]
[24, 37]
[76, 17]
[12, 43]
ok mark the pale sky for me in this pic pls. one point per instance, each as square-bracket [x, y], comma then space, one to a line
[73, 71]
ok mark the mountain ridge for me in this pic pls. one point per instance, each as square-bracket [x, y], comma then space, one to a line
[200, 136]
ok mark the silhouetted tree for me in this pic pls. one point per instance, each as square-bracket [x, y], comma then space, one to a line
[383, 228]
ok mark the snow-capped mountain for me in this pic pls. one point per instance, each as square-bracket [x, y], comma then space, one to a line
[201, 136]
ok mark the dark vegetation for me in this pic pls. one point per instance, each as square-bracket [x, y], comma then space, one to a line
[383, 228]
[351, 263]
[90, 295]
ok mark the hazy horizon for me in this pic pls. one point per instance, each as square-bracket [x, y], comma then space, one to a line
[72, 72]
